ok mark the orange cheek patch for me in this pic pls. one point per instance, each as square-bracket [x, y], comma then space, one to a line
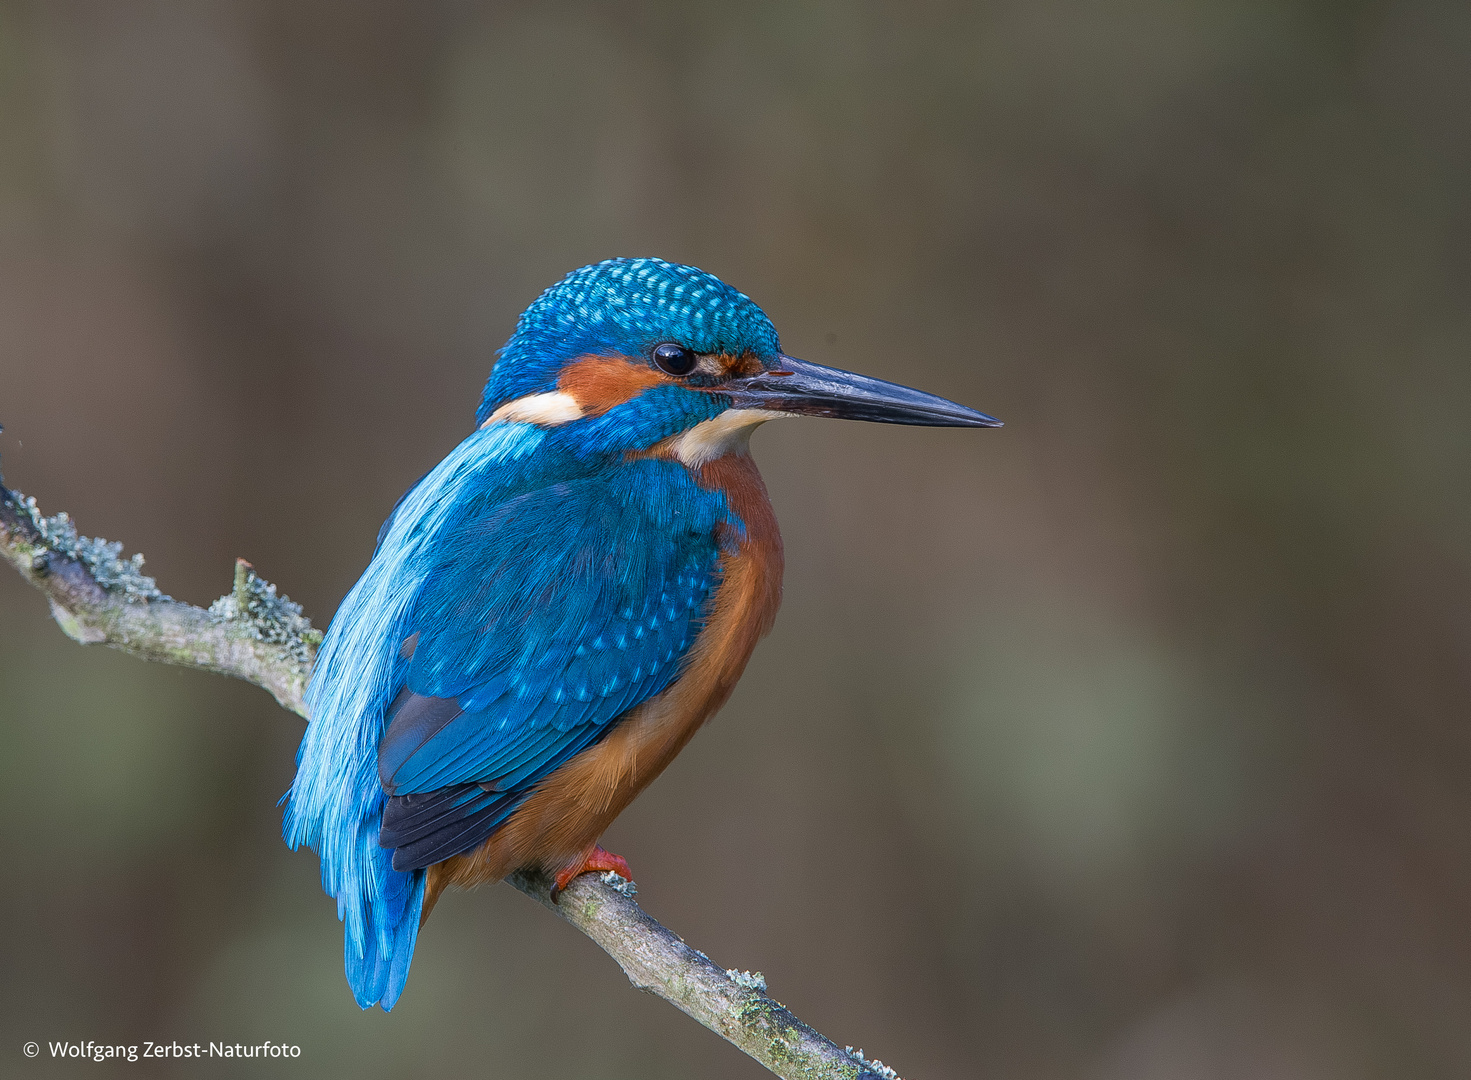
[601, 382]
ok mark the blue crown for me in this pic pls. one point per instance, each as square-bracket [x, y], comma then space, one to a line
[625, 307]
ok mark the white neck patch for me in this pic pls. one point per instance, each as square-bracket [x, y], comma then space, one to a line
[547, 410]
[728, 433]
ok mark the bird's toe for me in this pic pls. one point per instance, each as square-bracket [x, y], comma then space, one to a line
[592, 861]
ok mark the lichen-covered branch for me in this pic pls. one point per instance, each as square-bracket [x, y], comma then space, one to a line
[97, 597]
[733, 1004]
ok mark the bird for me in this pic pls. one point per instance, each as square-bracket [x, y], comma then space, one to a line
[553, 610]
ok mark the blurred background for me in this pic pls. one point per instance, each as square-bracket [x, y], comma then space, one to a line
[1129, 741]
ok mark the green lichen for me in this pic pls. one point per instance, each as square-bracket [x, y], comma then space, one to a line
[619, 884]
[757, 1011]
[750, 980]
[783, 1038]
[276, 620]
[103, 558]
[74, 628]
[591, 907]
[873, 1065]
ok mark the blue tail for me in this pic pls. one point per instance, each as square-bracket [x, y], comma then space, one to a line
[335, 805]
[377, 959]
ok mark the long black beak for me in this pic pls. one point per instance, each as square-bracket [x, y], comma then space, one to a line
[809, 389]
[795, 386]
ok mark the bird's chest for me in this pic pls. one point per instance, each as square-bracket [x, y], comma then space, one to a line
[741, 611]
[749, 594]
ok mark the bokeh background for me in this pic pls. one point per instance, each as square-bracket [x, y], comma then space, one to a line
[1130, 741]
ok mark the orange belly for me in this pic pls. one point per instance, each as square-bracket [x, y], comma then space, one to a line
[569, 809]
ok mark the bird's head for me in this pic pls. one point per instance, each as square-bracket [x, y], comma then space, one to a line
[634, 352]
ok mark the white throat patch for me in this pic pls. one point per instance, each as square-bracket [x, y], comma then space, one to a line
[728, 433]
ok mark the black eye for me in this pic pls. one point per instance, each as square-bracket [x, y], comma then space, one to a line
[675, 359]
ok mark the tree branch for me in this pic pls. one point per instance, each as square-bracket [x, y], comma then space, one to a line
[97, 597]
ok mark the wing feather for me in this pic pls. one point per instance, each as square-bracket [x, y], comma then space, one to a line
[546, 618]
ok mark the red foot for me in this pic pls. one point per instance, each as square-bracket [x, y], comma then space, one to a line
[595, 860]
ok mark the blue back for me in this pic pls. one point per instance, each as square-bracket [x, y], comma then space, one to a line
[520, 662]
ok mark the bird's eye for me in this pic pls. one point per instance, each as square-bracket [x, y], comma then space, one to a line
[675, 359]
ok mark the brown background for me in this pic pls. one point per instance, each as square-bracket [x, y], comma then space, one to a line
[1129, 741]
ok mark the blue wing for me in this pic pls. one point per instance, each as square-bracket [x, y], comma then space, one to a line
[543, 620]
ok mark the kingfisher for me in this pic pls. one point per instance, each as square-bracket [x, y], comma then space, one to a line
[554, 609]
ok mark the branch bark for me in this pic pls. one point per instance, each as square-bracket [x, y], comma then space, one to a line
[97, 597]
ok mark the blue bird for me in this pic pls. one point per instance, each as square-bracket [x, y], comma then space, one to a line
[558, 605]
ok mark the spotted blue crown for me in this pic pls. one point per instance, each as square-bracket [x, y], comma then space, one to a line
[625, 307]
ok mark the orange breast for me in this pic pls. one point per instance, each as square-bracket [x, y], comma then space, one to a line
[571, 807]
